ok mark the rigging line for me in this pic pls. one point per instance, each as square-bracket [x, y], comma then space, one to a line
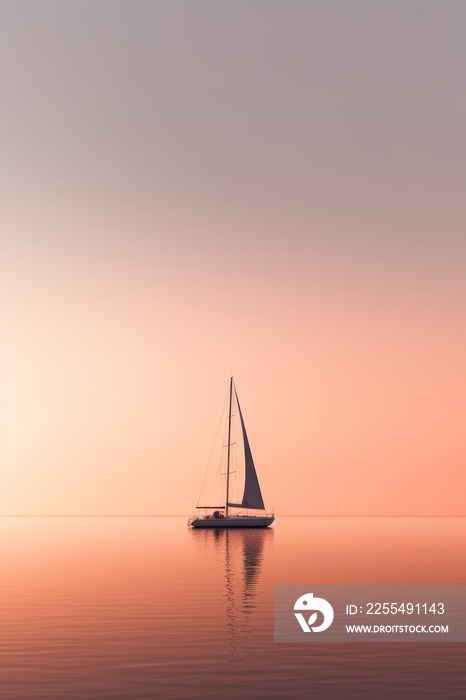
[221, 461]
[213, 482]
[213, 448]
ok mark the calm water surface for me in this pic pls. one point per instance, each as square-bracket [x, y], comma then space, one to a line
[130, 608]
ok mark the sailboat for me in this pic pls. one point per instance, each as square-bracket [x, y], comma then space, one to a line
[222, 516]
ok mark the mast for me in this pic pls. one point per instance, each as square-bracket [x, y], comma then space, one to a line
[229, 445]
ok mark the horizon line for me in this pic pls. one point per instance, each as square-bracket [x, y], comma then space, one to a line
[181, 515]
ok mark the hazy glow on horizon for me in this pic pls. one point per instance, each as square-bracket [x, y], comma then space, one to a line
[273, 190]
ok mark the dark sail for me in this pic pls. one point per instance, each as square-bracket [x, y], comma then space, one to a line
[252, 497]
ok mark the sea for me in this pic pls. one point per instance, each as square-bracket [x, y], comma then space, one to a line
[133, 608]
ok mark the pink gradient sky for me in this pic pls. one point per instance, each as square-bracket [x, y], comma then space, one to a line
[273, 190]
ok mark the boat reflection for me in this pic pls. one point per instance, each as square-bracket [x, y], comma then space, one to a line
[242, 553]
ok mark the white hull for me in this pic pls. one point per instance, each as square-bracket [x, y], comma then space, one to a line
[232, 521]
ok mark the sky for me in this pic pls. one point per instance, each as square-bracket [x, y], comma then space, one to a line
[192, 189]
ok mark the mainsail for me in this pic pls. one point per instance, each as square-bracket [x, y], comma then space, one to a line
[252, 497]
